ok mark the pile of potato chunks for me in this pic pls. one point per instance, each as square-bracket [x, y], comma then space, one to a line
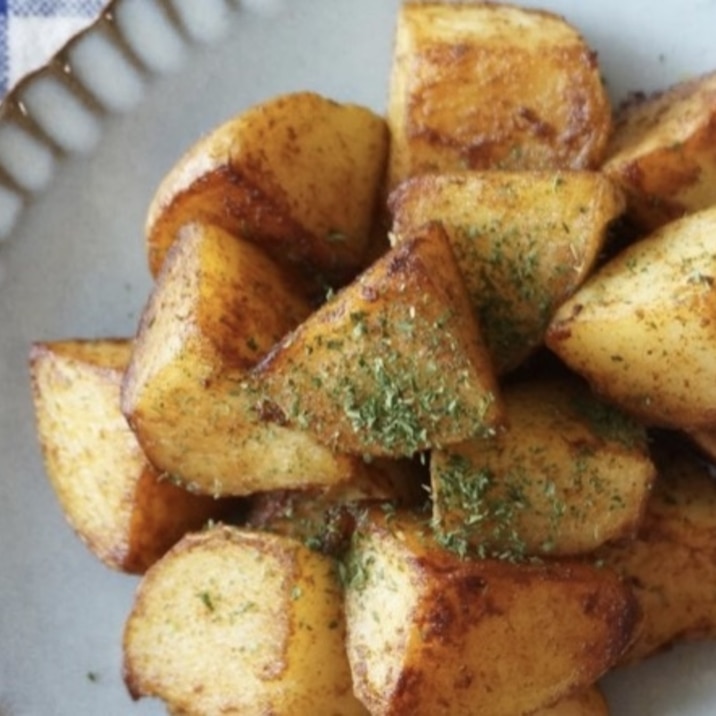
[415, 418]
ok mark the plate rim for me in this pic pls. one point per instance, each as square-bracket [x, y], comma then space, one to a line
[60, 67]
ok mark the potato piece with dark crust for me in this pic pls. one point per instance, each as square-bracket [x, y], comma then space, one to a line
[430, 633]
[524, 242]
[642, 329]
[235, 622]
[671, 566]
[218, 306]
[662, 152]
[490, 85]
[567, 474]
[298, 175]
[393, 364]
[123, 509]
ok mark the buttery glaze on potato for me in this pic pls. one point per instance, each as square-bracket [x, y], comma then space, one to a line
[297, 175]
[487, 86]
[432, 634]
[662, 152]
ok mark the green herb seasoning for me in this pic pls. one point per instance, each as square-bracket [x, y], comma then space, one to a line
[503, 268]
[207, 600]
[389, 381]
[354, 570]
[485, 518]
[607, 422]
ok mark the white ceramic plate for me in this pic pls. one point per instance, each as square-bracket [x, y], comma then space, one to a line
[73, 265]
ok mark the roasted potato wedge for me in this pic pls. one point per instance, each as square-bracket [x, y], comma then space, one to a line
[430, 633]
[217, 307]
[298, 175]
[671, 566]
[567, 474]
[234, 622]
[642, 330]
[487, 86]
[662, 152]
[394, 364]
[123, 509]
[524, 242]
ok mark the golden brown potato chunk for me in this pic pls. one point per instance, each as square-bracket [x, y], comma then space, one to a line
[118, 504]
[662, 152]
[642, 329]
[394, 363]
[671, 566]
[486, 86]
[298, 175]
[567, 474]
[217, 307]
[524, 242]
[430, 633]
[233, 622]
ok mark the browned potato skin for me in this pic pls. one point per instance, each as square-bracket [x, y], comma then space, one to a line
[298, 175]
[325, 518]
[398, 341]
[487, 86]
[429, 633]
[218, 306]
[524, 242]
[662, 152]
[641, 330]
[235, 622]
[590, 702]
[566, 475]
[671, 566]
[119, 505]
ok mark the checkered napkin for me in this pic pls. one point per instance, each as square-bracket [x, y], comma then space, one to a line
[31, 31]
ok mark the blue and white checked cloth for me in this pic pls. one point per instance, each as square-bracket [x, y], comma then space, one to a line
[31, 31]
